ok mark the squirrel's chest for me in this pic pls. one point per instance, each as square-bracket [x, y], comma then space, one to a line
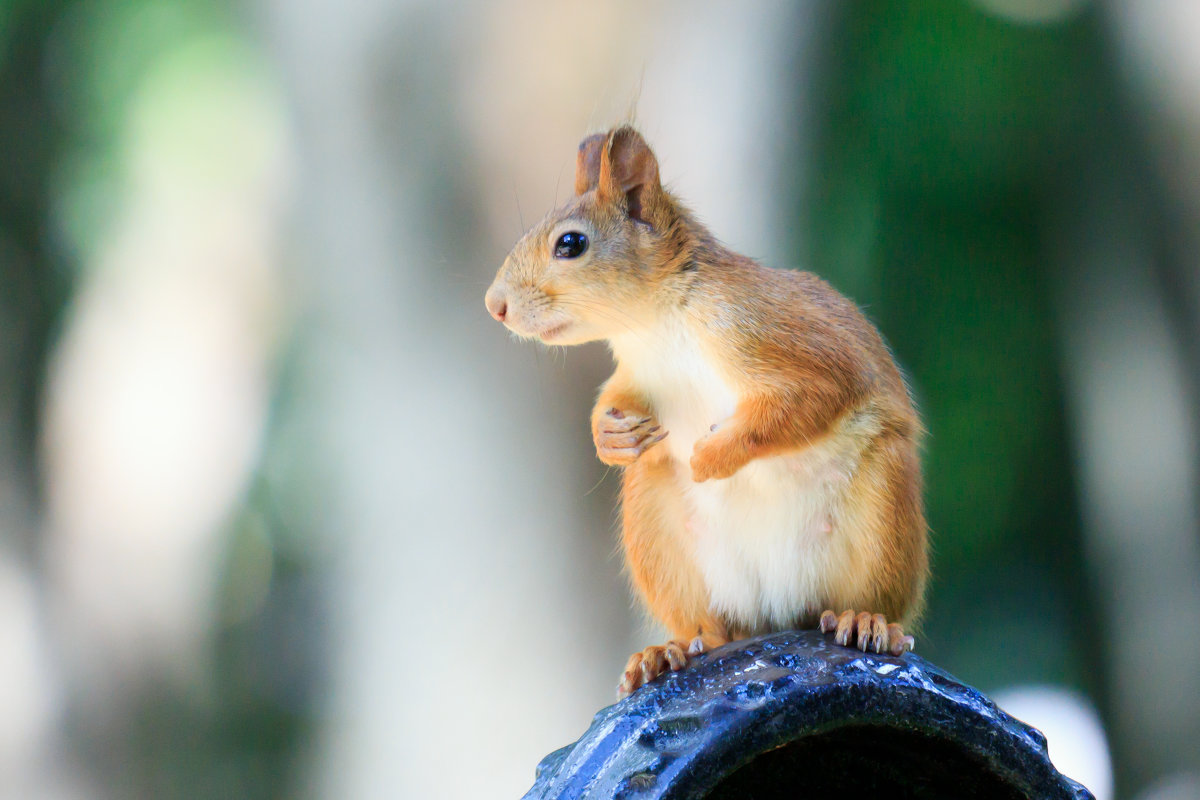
[763, 538]
[686, 392]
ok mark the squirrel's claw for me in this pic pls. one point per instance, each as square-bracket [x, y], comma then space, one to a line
[621, 438]
[646, 665]
[868, 632]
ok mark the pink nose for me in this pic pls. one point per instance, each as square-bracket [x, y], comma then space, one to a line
[497, 305]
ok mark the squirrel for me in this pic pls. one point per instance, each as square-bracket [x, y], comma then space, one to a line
[768, 440]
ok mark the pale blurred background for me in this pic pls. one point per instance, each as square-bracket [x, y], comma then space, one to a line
[284, 513]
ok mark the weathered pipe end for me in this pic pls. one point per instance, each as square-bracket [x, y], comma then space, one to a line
[793, 715]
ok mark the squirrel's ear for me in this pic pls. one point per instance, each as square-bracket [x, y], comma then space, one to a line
[629, 173]
[587, 163]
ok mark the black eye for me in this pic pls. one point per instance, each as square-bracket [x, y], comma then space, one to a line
[571, 244]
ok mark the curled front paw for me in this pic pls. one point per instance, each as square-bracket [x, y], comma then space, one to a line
[621, 438]
[868, 632]
[716, 455]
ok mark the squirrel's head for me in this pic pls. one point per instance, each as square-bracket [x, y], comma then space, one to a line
[591, 268]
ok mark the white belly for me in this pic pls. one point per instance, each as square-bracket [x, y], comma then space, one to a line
[765, 539]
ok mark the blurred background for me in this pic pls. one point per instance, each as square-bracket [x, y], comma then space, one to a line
[284, 513]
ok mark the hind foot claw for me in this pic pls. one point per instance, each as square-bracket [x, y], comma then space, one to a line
[648, 664]
[868, 632]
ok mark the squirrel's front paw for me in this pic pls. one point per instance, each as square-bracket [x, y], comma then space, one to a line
[717, 455]
[622, 438]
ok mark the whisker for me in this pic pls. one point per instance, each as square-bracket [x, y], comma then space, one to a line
[618, 316]
[596, 485]
[517, 197]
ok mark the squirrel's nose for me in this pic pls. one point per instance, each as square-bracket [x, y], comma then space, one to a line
[497, 304]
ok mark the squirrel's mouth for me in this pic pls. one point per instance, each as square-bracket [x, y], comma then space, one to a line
[554, 330]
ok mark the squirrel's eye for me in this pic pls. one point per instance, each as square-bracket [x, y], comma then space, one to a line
[570, 245]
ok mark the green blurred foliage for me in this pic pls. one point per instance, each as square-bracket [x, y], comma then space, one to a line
[68, 70]
[100, 56]
[946, 136]
[69, 73]
[33, 282]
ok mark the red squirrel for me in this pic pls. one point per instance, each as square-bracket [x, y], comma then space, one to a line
[767, 438]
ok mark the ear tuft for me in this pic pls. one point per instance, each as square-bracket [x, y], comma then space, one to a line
[628, 172]
[587, 162]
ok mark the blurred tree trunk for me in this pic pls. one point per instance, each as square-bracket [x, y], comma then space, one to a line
[453, 517]
[478, 606]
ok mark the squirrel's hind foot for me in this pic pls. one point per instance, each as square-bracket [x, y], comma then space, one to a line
[868, 632]
[646, 665]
